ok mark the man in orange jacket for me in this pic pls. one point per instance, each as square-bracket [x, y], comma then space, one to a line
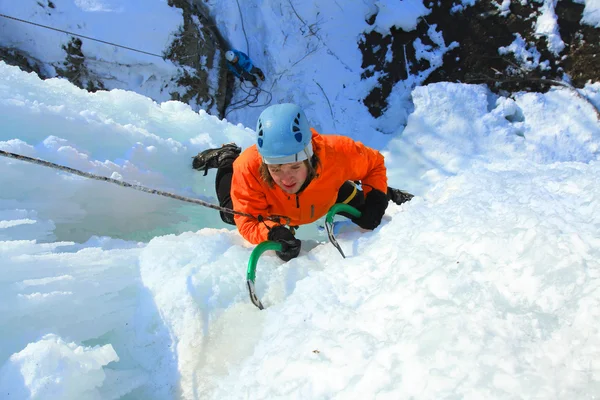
[294, 171]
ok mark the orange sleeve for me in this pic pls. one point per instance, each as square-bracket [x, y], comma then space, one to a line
[365, 164]
[247, 197]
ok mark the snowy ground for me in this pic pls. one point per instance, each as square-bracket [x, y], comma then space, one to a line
[484, 286]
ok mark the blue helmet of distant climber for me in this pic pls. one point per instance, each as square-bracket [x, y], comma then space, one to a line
[283, 135]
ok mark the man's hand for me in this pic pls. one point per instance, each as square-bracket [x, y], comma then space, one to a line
[373, 210]
[290, 246]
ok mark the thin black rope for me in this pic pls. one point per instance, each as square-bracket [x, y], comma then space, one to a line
[275, 218]
[243, 28]
[82, 36]
[250, 99]
[267, 102]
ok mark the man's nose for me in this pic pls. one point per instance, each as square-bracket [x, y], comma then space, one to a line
[286, 177]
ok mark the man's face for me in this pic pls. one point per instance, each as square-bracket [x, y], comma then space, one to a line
[289, 177]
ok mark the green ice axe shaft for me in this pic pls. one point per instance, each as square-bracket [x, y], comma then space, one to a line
[336, 209]
[271, 245]
[251, 273]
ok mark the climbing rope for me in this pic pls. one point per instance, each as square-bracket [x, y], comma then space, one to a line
[252, 92]
[243, 28]
[274, 218]
[81, 36]
[250, 99]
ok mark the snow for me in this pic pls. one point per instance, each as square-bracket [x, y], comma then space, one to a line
[485, 285]
[547, 25]
[405, 15]
[133, 23]
[528, 57]
[591, 12]
[51, 368]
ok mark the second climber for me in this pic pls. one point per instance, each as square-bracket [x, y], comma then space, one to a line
[242, 66]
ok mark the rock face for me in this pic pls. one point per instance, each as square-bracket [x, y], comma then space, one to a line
[75, 69]
[484, 34]
[199, 46]
[20, 59]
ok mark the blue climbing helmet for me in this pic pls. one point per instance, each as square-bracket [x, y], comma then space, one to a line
[283, 134]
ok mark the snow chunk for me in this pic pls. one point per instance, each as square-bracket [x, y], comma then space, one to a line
[53, 368]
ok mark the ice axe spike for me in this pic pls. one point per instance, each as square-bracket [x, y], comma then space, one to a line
[251, 273]
[336, 209]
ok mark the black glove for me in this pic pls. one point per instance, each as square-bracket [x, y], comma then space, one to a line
[290, 246]
[373, 210]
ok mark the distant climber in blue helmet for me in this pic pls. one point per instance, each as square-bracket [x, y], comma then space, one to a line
[294, 171]
[241, 65]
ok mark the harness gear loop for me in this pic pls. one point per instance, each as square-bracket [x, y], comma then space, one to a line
[351, 195]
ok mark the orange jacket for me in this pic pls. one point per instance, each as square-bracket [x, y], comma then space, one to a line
[342, 159]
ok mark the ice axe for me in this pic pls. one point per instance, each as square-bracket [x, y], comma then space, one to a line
[251, 273]
[336, 209]
[272, 245]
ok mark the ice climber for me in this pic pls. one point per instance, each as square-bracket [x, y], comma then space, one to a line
[241, 65]
[294, 171]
